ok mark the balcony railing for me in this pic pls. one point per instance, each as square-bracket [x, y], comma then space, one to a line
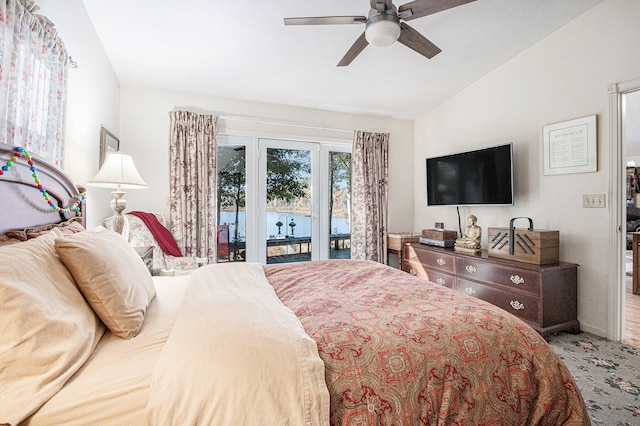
[339, 246]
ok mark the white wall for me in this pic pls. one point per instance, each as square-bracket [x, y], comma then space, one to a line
[140, 118]
[144, 133]
[563, 77]
[93, 98]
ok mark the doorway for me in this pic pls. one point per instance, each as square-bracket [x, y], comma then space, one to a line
[630, 120]
[618, 97]
[284, 200]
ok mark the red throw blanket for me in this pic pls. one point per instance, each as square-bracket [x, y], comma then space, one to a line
[162, 235]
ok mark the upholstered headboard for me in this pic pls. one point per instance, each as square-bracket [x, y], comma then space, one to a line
[22, 203]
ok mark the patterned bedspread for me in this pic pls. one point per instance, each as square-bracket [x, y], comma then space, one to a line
[399, 350]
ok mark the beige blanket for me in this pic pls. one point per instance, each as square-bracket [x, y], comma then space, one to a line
[237, 355]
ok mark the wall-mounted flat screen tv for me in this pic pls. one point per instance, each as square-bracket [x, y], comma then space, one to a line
[480, 177]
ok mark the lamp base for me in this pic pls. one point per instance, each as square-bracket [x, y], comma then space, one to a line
[118, 204]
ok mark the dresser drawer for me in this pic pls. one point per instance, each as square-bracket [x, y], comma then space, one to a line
[417, 269]
[527, 281]
[431, 259]
[525, 307]
[443, 279]
[543, 295]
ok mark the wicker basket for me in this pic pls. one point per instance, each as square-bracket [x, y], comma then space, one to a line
[395, 240]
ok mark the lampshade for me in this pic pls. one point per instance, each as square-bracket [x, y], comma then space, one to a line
[383, 32]
[118, 170]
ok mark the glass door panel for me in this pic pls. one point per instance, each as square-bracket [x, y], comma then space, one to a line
[339, 205]
[231, 199]
[289, 204]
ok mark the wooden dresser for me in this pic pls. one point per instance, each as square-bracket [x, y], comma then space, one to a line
[544, 296]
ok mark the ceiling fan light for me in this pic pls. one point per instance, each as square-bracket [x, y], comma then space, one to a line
[382, 33]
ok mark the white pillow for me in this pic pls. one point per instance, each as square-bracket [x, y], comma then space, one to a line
[111, 275]
[47, 329]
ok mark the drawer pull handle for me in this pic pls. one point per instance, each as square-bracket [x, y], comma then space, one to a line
[441, 262]
[412, 254]
[516, 279]
[412, 272]
[440, 281]
[470, 269]
[517, 305]
[471, 291]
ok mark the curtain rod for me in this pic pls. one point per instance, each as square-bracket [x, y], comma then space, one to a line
[279, 123]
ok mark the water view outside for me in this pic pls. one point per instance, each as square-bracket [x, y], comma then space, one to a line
[302, 221]
[288, 189]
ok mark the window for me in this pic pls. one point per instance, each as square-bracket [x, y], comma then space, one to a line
[34, 84]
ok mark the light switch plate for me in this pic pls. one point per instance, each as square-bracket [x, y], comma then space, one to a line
[593, 201]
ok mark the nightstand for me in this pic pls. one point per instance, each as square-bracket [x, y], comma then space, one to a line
[146, 254]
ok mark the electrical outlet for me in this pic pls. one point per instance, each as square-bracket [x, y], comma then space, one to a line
[593, 201]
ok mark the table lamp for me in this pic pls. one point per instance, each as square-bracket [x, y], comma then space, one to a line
[119, 172]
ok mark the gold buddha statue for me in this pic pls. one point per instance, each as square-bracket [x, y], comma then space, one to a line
[470, 241]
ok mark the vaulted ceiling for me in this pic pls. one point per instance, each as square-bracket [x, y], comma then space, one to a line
[242, 50]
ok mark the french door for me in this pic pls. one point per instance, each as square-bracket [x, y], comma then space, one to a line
[289, 198]
[282, 200]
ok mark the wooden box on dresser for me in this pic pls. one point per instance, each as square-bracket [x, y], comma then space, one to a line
[544, 296]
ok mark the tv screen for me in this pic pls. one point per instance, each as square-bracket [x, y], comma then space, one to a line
[483, 176]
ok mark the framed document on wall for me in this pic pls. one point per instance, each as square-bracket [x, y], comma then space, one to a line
[571, 146]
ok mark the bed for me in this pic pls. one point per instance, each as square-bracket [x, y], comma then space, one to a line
[87, 336]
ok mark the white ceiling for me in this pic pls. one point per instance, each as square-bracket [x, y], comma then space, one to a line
[242, 50]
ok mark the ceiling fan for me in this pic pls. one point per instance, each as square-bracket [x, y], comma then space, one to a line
[384, 26]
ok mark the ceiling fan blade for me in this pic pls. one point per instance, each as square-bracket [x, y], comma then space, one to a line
[326, 20]
[420, 8]
[416, 41]
[353, 51]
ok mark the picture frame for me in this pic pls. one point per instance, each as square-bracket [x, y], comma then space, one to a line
[108, 143]
[571, 146]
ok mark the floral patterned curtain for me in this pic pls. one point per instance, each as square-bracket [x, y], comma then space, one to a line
[369, 173]
[192, 179]
[33, 81]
